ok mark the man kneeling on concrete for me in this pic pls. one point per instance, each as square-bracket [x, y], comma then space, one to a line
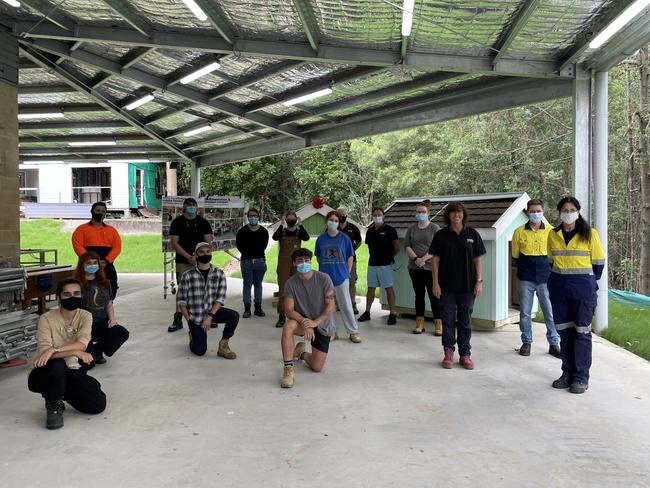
[309, 307]
[201, 297]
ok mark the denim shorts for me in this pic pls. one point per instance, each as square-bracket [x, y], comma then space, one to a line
[381, 276]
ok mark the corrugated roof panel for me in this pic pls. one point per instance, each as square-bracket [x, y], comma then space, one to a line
[148, 108]
[297, 76]
[93, 12]
[469, 28]
[54, 98]
[553, 27]
[118, 87]
[245, 96]
[80, 68]
[179, 120]
[114, 52]
[161, 63]
[78, 132]
[368, 23]
[240, 67]
[264, 19]
[225, 141]
[37, 76]
[279, 110]
[168, 14]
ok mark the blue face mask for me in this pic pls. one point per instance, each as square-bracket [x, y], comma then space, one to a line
[421, 216]
[536, 217]
[91, 268]
[377, 220]
[332, 225]
[190, 210]
[253, 220]
[303, 268]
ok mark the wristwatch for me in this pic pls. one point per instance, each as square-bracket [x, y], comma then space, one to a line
[56, 349]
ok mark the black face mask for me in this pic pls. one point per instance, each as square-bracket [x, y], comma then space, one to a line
[72, 303]
[206, 258]
[98, 217]
[342, 219]
[291, 223]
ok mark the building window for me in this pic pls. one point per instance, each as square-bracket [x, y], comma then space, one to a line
[28, 185]
[91, 185]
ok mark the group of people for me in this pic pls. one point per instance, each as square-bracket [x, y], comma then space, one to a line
[561, 265]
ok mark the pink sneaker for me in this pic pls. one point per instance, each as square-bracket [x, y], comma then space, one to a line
[466, 362]
[448, 360]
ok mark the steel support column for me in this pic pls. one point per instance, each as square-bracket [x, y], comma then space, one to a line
[600, 188]
[582, 139]
[195, 180]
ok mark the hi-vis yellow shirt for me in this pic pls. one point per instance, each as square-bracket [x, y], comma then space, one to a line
[577, 257]
[529, 249]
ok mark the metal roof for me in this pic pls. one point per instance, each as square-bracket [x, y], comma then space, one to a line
[90, 58]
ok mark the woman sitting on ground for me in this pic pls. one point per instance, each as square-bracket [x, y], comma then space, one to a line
[61, 360]
[107, 335]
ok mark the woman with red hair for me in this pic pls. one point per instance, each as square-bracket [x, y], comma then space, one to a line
[107, 335]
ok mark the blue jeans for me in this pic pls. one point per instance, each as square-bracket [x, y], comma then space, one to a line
[253, 271]
[527, 290]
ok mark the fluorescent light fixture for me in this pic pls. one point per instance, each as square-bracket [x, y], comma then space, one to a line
[44, 162]
[128, 160]
[91, 143]
[13, 3]
[50, 115]
[139, 102]
[309, 96]
[196, 131]
[618, 23]
[200, 72]
[196, 10]
[407, 17]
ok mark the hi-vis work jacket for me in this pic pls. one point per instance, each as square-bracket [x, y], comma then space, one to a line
[575, 267]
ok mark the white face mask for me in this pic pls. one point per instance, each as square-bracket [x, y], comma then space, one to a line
[569, 217]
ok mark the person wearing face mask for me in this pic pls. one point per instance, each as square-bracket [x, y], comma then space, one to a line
[335, 255]
[309, 304]
[107, 335]
[185, 232]
[352, 231]
[101, 238]
[202, 296]
[530, 255]
[61, 360]
[252, 240]
[288, 234]
[383, 246]
[577, 259]
[416, 245]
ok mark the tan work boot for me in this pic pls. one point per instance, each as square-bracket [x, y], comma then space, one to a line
[299, 350]
[287, 377]
[224, 350]
[356, 338]
[335, 337]
[438, 327]
[419, 325]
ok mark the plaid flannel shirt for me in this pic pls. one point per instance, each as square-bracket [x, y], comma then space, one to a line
[199, 295]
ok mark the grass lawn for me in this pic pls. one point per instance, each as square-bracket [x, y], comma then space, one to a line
[271, 275]
[140, 253]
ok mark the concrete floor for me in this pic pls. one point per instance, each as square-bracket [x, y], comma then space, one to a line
[382, 413]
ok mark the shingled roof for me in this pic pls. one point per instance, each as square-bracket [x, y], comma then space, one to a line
[483, 210]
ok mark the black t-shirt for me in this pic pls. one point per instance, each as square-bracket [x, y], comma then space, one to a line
[457, 272]
[380, 245]
[300, 232]
[252, 244]
[190, 233]
[204, 273]
[568, 234]
[352, 231]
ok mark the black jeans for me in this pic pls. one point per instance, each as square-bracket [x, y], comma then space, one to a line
[199, 337]
[108, 339]
[111, 275]
[422, 281]
[456, 312]
[55, 381]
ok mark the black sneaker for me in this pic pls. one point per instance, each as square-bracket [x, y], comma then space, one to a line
[561, 383]
[258, 311]
[281, 321]
[524, 350]
[554, 350]
[54, 409]
[99, 358]
[578, 387]
[247, 311]
[364, 317]
[355, 310]
[392, 319]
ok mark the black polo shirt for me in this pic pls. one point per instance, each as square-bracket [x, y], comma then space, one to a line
[380, 245]
[457, 272]
[352, 231]
[190, 232]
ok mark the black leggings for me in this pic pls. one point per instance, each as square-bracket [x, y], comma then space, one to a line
[55, 381]
[108, 339]
[199, 337]
[423, 281]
